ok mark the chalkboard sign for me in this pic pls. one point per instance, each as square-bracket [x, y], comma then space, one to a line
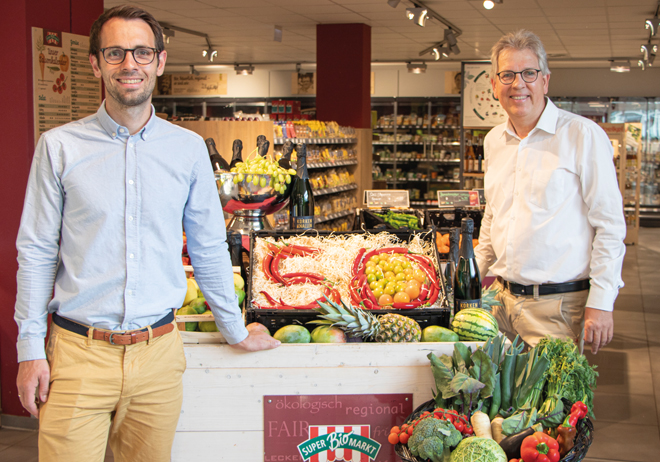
[392, 198]
[458, 199]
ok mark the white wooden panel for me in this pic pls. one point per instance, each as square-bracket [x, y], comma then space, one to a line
[212, 394]
[230, 446]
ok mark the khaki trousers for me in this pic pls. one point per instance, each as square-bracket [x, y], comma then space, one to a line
[130, 394]
[559, 315]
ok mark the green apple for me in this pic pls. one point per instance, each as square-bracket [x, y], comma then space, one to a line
[241, 296]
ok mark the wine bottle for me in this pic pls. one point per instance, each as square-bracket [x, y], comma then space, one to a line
[260, 141]
[285, 160]
[219, 164]
[301, 202]
[237, 153]
[263, 147]
[450, 268]
[467, 284]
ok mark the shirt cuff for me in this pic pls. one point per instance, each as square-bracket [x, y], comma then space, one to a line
[234, 332]
[601, 299]
[30, 349]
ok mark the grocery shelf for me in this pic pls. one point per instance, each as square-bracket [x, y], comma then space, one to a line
[435, 161]
[437, 127]
[333, 216]
[338, 163]
[474, 175]
[336, 189]
[317, 140]
[425, 180]
[410, 143]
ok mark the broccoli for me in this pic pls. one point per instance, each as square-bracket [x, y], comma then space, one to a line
[432, 438]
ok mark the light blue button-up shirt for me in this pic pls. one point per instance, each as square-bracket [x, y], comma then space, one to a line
[102, 223]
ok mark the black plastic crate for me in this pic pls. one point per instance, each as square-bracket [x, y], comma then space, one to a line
[444, 219]
[274, 319]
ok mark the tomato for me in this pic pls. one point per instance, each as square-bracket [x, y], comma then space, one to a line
[372, 284]
[389, 275]
[401, 286]
[403, 438]
[404, 427]
[369, 270]
[460, 426]
[370, 264]
[393, 438]
[401, 297]
[397, 269]
[385, 299]
[410, 430]
[406, 264]
[378, 291]
[375, 259]
[395, 429]
[400, 277]
[419, 275]
[390, 288]
[412, 289]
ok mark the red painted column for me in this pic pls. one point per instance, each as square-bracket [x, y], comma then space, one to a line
[17, 17]
[343, 74]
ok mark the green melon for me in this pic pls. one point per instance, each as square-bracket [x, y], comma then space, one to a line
[439, 334]
[475, 325]
[293, 334]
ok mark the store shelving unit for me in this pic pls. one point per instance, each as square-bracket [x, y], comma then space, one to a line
[416, 146]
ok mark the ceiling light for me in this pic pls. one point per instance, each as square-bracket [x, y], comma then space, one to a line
[419, 68]
[245, 69]
[653, 24]
[450, 38]
[620, 66]
[648, 49]
[440, 52]
[278, 34]
[210, 54]
[489, 4]
[651, 59]
[393, 3]
[418, 15]
[167, 33]
[641, 63]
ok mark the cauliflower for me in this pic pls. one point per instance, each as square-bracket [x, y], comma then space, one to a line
[432, 439]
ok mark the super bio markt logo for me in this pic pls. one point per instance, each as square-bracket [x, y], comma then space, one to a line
[348, 443]
[52, 38]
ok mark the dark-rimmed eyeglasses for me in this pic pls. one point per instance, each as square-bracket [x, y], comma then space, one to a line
[528, 75]
[116, 55]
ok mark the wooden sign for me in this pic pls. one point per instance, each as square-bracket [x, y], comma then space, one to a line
[192, 84]
[458, 199]
[392, 198]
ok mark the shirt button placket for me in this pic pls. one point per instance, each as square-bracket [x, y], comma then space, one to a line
[131, 229]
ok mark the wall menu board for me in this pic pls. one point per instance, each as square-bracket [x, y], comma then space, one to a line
[64, 85]
[387, 198]
[480, 108]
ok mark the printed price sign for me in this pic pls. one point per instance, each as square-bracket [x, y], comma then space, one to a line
[482, 196]
[458, 199]
[326, 428]
[392, 198]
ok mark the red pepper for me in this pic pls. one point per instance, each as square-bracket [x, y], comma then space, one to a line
[274, 267]
[266, 266]
[306, 275]
[539, 447]
[356, 262]
[566, 433]
[580, 409]
[406, 306]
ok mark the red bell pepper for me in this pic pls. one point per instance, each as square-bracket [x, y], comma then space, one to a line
[580, 409]
[539, 447]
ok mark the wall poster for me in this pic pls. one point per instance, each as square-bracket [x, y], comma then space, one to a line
[64, 85]
[480, 108]
[191, 85]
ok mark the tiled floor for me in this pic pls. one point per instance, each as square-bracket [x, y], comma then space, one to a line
[627, 428]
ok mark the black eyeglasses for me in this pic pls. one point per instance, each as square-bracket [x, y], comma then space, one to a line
[116, 55]
[528, 75]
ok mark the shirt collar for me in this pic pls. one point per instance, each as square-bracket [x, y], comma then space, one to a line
[547, 122]
[115, 130]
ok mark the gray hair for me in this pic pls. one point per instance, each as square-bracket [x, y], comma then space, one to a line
[520, 40]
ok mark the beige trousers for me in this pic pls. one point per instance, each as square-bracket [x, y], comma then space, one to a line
[559, 315]
[130, 394]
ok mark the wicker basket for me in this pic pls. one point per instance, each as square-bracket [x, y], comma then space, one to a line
[583, 438]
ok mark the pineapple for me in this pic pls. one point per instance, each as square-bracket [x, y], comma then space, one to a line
[488, 300]
[355, 321]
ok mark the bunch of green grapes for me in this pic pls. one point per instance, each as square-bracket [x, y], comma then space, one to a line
[253, 171]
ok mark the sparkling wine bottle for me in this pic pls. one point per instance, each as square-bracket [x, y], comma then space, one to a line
[219, 164]
[450, 268]
[301, 202]
[285, 160]
[261, 149]
[467, 284]
[237, 153]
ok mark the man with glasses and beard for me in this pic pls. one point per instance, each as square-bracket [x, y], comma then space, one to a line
[553, 228]
[99, 247]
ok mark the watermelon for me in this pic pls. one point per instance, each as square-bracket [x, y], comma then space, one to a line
[475, 325]
[475, 449]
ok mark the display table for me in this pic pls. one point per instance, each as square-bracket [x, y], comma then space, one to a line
[222, 417]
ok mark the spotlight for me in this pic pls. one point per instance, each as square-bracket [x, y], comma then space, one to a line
[416, 68]
[393, 3]
[210, 54]
[653, 24]
[489, 4]
[418, 15]
[450, 38]
[440, 52]
[620, 66]
[641, 63]
[167, 33]
[648, 49]
[245, 69]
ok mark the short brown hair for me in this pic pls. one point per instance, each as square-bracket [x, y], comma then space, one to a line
[124, 12]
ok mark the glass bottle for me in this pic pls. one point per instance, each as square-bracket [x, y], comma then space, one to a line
[236, 153]
[467, 284]
[450, 268]
[301, 202]
[219, 164]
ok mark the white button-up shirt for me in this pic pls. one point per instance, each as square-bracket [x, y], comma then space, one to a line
[554, 212]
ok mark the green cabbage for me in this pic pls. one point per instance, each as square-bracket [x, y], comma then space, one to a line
[475, 449]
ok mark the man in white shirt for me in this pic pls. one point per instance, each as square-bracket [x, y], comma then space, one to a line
[553, 228]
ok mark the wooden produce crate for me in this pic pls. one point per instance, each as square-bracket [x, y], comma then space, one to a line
[198, 337]
[275, 318]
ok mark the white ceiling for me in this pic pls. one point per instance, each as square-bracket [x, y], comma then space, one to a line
[242, 30]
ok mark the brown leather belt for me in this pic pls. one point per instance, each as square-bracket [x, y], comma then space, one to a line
[545, 289]
[161, 327]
